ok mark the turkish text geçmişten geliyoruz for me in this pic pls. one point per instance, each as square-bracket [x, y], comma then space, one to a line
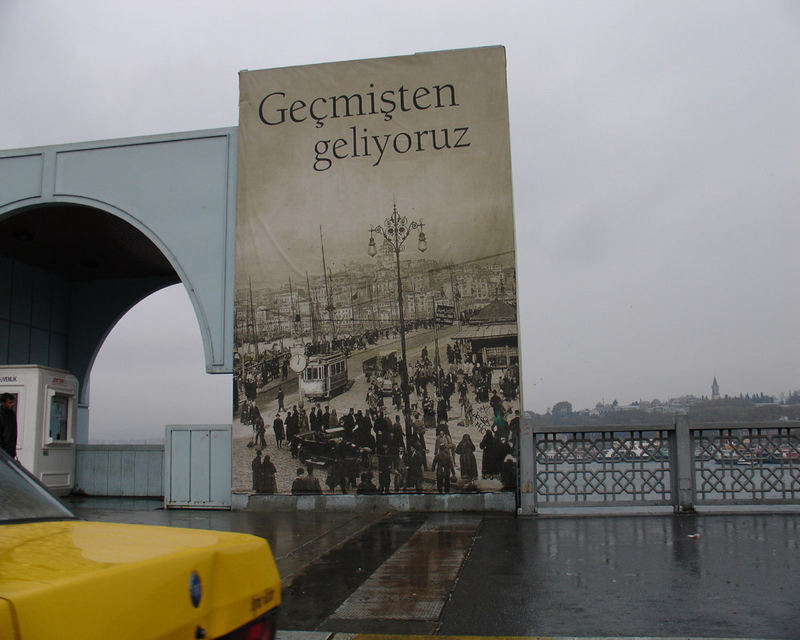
[275, 109]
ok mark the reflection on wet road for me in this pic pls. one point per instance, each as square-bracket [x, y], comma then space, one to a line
[323, 585]
[414, 584]
[731, 576]
[396, 576]
[652, 576]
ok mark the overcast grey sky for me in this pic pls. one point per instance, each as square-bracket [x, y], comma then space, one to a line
[656, 164]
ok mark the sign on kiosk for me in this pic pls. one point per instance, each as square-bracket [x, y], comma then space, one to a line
[46, 406]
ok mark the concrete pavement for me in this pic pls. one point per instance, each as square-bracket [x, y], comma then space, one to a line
[465, 575]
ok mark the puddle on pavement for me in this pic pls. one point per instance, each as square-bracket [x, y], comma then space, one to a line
[415, 582]
[320, 589]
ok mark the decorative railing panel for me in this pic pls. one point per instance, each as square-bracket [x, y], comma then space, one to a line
[612, 466]
[681, 465]
[751, 465]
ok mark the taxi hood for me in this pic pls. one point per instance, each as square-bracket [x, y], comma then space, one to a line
[75, 579]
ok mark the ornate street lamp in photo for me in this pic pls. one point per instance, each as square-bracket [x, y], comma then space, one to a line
[395, 229]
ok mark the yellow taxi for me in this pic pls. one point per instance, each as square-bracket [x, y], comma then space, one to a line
[64, 578]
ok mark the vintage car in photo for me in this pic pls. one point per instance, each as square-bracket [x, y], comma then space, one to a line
[66, 578]
[323, 447]
[382, 371]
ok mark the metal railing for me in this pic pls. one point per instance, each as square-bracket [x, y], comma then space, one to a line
[676, 464]
[746, 464]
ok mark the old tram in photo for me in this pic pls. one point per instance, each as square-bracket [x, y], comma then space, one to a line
[325, 375]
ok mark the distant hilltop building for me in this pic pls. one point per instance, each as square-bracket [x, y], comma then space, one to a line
[715, 389]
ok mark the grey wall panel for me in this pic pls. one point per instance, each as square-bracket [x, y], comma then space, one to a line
[200, 467]
[81, 475]
[40, 347]
[155, 474]
[128, 473]
[197, 460]
[38, 302]
[59, 317]
[114, 473]
[21, 292]
[120, 470]
[97, 482]
[220, 470]
[140, 471]
[19, 344]
[22, 176]
[180, 456]
[58, 351]
[42, 302]
[4, 337]
[5, 287]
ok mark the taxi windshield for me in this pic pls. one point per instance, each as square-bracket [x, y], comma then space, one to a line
[22, 499]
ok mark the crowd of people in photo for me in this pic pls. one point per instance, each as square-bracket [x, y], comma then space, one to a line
[273, 364]
[382, 442]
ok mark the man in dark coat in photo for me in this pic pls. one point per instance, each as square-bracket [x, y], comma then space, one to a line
[277, 427]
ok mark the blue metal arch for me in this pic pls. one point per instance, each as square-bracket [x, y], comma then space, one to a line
[107, 208]
[177, 190]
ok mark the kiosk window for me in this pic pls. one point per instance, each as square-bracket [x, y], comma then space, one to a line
[59, 410]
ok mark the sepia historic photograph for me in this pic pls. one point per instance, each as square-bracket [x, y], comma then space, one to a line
[376, 335]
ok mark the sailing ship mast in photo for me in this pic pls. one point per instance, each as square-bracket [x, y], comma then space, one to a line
[312, 312]
[325, 374]
[251, 321]
[296, 322]
[329, 302]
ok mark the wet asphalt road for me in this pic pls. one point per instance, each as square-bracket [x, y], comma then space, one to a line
[655, 576]
[711, 576]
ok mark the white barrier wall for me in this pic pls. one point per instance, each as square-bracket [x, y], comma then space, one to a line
[120, 469]
[197, 469]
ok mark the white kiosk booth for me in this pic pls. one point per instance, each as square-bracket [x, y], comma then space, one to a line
[47, 411]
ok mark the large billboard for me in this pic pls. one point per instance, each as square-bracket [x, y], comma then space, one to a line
[376, 332]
